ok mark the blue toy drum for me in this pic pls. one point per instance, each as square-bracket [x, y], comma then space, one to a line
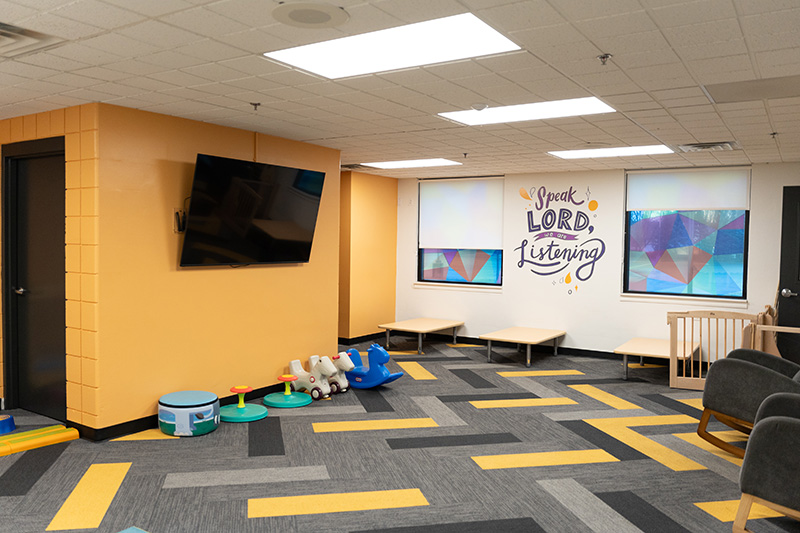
[188, 413]
[7, 424]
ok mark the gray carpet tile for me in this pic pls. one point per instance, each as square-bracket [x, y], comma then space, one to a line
[441, 414]
[590, 509]
[245, 476]
[203, 484]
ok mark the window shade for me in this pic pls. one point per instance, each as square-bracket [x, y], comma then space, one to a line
[689, 190]
[461, 213]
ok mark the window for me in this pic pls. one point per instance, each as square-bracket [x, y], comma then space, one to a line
[461, 231]
[686, 232]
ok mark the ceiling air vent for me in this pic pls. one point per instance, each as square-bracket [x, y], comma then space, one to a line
[353, 166]
[15, 41]
[709, 147]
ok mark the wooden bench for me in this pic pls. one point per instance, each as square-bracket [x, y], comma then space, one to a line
[420, 326]
[644, 347]
[527, 336]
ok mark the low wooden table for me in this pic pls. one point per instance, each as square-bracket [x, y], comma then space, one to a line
[644, 347]
[526, 336]
[420, 326]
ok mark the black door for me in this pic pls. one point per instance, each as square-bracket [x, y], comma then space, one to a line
[789, 287]
[34, 285]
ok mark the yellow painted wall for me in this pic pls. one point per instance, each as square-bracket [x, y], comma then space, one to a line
[371, 247]
[138, 326]
[73, 123]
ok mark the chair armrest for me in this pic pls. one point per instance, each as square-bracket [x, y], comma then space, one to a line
[773, 362]
[736, 387]
[779, 404]
[771, 461]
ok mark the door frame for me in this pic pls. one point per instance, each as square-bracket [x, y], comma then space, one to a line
[10, 152]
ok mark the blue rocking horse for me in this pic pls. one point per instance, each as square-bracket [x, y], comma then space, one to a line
[362, 377]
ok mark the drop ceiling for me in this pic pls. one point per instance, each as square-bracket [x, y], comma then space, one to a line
[202, 60]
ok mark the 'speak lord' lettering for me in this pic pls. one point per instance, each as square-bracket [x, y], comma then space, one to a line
[556, 242]
[544, 198]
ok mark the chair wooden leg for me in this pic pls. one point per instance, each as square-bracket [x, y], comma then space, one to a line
[716, 441]
[734, 423]
[740, 522]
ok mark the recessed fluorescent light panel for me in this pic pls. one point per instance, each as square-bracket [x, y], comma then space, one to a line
[413, 45]
[613, 152]
[538, 111]
[412, 163]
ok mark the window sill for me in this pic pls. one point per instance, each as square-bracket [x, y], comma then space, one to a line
[432, 285]
[687, 301]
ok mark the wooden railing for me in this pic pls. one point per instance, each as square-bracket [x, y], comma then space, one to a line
[698, 338]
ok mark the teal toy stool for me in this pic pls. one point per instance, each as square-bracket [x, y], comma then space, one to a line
[242, 412]
[188, 413]
[287, 398]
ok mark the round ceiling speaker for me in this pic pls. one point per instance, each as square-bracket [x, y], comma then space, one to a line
[310, 14]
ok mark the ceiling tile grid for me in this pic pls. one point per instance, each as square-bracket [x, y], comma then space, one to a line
[202, 59]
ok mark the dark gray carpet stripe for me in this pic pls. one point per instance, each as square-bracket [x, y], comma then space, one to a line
[602, 440]
[265, 437]
[494, 396]
[373, 401]
[429, 359]
[640, 513]
[473, 379]
[26, 471]
[674, 405]
[783, 523]
[451, 440]
[508, 525]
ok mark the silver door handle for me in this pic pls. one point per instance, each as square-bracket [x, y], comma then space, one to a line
[21, 291]
[786, 293]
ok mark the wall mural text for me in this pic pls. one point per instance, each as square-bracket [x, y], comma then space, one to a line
[559, 241]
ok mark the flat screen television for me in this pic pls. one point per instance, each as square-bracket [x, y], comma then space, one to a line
[247, 213]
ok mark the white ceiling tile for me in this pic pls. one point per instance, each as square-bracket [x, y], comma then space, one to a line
[97, 13]
[213, 71]
[24, 70]
[617, 25]
[210, 50]
[178, 78]
[102, 73]
[160, 34]
[255, 41]
[578, 10]
[13, 12]
[61, 27]
[255, 65]
[420, 10]
[120, 45]
[521, 16]
[698, 11]
[85, 54]
[699, 34]
[204, 21]
[169, 59]
[152, 8]
[132, 66]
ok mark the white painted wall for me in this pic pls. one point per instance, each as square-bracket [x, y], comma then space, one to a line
[596, 315]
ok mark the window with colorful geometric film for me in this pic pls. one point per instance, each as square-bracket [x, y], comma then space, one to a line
[482, 267]
[460, 237]
[697, 253]
[686, 232]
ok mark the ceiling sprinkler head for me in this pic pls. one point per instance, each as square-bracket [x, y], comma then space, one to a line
[604, 58]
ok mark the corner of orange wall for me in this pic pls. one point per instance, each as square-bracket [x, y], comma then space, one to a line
[372, 253]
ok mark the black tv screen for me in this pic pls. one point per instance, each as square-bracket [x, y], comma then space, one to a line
[244, 213]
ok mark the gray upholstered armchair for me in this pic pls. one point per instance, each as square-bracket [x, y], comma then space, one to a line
[771, 467]
[736, 386]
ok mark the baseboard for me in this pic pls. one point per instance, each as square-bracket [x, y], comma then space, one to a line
[363, 338]
[151, 422]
